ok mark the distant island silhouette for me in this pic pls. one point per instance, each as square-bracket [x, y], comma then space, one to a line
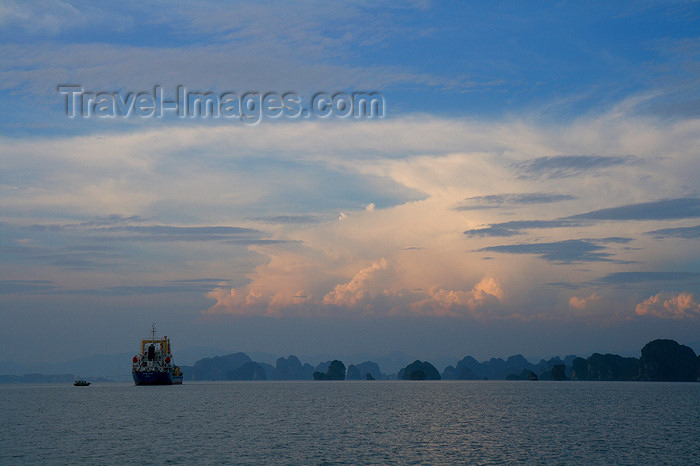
[660, 360]
[419, 370]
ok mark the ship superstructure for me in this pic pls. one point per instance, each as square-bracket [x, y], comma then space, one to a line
[154, 364]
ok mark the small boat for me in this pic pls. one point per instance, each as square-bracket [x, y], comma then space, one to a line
[81, 383]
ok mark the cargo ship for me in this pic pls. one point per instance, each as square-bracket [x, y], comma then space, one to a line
[154, 364]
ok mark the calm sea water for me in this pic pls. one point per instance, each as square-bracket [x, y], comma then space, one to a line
[352, 423]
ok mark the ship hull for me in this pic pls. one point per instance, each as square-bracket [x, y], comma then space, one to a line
[154, 378]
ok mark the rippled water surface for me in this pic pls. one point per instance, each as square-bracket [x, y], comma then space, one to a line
[352, 423]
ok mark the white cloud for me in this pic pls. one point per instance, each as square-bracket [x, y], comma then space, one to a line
[458, 302]
[42, 16]
[221, 174]
[582, 303]
[670, 306]
[253, 48]
[357, 291]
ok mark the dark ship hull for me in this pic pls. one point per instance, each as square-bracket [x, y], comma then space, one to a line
[155, 378]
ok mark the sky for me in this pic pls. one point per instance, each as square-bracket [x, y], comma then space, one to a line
[531, 185]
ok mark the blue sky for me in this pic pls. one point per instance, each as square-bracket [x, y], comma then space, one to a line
[531, 188]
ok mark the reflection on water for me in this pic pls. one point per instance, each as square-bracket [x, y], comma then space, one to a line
[353, 422]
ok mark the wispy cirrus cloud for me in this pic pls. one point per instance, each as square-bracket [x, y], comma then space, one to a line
[668, 209]
[622, 278]
[563, 166]
[49, 287]
[288, 219]
[517, 227]
[227, 48]
[155, 232]
[671, 209]
[495, 201]
[26, 286]
[109, 243]
[181, 233]
[565, 252]
[115, 219]
[201, 285]
[678, 232]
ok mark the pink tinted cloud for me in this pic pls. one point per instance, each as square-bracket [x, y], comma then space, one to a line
[356, 291]
[669, 306]
[582, 303]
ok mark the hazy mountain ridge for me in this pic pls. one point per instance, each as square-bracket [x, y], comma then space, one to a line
[500, 369]
[96, 365]
[660, 360]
